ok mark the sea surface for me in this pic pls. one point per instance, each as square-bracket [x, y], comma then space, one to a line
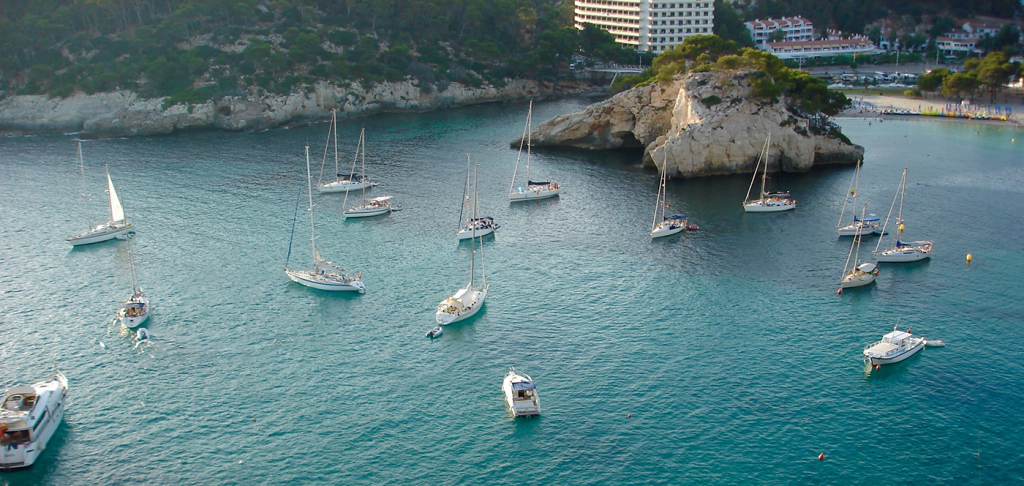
[720, 356]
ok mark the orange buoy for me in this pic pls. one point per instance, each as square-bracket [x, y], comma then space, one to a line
[253, 420]
[968, 258]
[878, 367]
[840, 291]
[629, 415]
[821, 457]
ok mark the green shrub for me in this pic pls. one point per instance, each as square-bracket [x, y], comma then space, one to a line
[711, 101]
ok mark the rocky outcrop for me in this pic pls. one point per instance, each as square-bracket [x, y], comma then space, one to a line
[123, 113]
[698, 124]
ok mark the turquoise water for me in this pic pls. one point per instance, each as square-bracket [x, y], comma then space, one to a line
[729, 346]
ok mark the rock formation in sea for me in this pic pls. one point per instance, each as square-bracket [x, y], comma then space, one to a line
[123, 113]
[700, 124]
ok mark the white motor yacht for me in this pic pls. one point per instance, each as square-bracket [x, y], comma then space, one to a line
[894, 347]
[28, 418]
[134, 311]
[520, 393]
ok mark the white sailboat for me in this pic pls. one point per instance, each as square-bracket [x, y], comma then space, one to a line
[468, 300]
[472, 226]
[534, 189]
[864, 225]
[665, 226]
[342, 182]
[324, 275]
[901, 251]
[118, 226]
[769, 202]
[29, 415]
[860, 274]
[367, 207]
[134, 311]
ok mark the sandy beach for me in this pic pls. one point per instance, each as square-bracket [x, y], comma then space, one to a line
[872, 105]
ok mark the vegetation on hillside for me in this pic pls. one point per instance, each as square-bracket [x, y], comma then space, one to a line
[989, 74]
[805, 95]
[194, 50]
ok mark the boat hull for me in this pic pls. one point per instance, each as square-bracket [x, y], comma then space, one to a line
[527, 195]
[446, 318]
[854, 230]
[520, 408]
[467, 234]
[768, 206]
[310, 280]
[902, 256]
[851, 281]
[98, 236]
[897, 358]
[663, 231]
[343, 186]
[132, 322]
[365, 213]
[25, 454]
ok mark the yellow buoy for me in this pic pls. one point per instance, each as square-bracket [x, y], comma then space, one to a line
[968, 258]
[901, 227]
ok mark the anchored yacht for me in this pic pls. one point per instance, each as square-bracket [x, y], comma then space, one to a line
[894, 347]
[28, 418]
[520, 393]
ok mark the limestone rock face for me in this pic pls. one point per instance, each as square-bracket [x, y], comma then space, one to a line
[696, 125]
[123, 113]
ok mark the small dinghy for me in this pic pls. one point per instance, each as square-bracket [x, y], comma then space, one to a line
[692, 227]
[934, 343]
[143, 334]
[435, 332]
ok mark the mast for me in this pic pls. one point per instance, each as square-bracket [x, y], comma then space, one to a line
[476, 192]
[760, 155]
[355, 158]
[465, 195]
[529, 121]
[903, 194]
[852, 190]
[884, 226]
[334, 128]
[856, 259]
[657, 203]
[472, 247]
[83, 195]
[312, 230]
[522, 142]
[764, 176]
[362, 156]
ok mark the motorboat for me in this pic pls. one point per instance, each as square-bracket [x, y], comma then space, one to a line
[534, 189]
[901, 251]
[468, 300]
[769, 202]
[482, 226]
[894, 347]
[324, 275]
[520, 394]
[374, 207]
[28, 418]
[435, 332]
[116, 227]
[134, 311]
[343, 182]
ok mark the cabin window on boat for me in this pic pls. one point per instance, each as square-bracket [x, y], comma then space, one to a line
[13, 436]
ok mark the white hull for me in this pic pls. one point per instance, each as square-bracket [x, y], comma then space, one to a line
[666, 230]
[24, 454]
[896, 358]
[533, 194]
[761, 206]
[344, 186]
[855, 229]
[466, 234]
[899, 255]
[330, 282]
[366, 212]
[858, 279]
[104, 232]
[451, 316]
[520, 407]
[130, 321]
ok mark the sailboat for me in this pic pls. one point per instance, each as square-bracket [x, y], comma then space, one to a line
[901, 251]
[118, 226]
[533, 190]
[473, 226]
[667, 225]
[134, 311]
[342, 182]
[861, 273]
[367, 207]
[324, 275]
[769, 202]
[859, 226]
[468, 300]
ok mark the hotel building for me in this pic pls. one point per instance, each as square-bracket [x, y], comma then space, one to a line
[648, 25]
[797, 29]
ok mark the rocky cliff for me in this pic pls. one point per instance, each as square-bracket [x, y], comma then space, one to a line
[698, 124]
[123, 113]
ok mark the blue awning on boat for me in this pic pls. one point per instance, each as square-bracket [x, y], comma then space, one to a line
[485, 218]
[677, 216]
[534, 183]
[869, 218]
[523, 385]
[784, 195]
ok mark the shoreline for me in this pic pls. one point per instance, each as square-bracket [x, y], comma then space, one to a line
[872, 106]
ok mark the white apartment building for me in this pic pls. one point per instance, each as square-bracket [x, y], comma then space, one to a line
[648, 25]
[797, 29]
[950, 46]
[821, 48]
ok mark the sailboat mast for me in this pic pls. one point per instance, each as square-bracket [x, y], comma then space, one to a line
[903, 194]
[85, 197]
[362, 156]
[312, 229]
[853, 185]
[476, 192]
[472, 247]
[891, 206]
[760, 155]
[856, 259]
[529, 144]
[657, 202]
[131, 264]
[764, 176]
[465, 195]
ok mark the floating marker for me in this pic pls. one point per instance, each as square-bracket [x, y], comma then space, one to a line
[901, 227]
[840, 291]
[968, 258]
[629, 415]
[821, 457]
[878, 367]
